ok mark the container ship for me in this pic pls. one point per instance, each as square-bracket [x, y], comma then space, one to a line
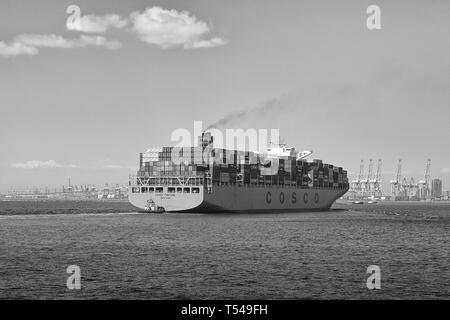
[204, 179]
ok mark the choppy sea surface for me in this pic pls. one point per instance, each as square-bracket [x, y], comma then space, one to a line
[124, 254]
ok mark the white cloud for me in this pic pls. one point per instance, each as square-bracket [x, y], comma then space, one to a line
[16, 49]
[155, 25]
[29, 44]
[446, 170]
[98, 41]
[43, 40]
[214, 42]
[38, 164]
[98, 24]
[55, 41]
[172, 28]
[112, 165]
[117, 166]
[35, 164]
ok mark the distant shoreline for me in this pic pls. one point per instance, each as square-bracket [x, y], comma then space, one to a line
[399, 202]
[55, 200]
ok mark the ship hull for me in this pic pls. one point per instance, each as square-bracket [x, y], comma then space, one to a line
[251, 199]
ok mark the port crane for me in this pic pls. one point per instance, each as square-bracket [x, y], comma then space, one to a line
[365, 184]
[425, 185]
[375, 183]
[396, 183]
[356, 186]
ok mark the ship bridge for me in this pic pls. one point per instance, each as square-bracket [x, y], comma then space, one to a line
[281, 151]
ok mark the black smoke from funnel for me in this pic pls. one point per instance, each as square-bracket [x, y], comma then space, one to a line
[255, 113]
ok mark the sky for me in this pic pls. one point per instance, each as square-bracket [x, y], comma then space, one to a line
[82, 100]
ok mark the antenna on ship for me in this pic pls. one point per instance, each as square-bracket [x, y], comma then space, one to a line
[271, 143]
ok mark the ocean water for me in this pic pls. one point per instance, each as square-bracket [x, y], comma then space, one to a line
[124, 254]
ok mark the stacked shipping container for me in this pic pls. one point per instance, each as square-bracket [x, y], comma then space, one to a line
[232, 166]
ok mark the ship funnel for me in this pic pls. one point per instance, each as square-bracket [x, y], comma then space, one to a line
[205, 139]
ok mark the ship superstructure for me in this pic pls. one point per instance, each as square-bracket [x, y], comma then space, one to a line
[208, 179]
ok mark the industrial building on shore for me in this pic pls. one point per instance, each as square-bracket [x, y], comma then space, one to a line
[70, 192]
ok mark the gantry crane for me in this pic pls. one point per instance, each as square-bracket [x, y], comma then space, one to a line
[365, 184]
[356, 187]
[375, 183]
[425, 184]
[396, 185]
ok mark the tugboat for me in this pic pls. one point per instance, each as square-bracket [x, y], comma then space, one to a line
[153, 208]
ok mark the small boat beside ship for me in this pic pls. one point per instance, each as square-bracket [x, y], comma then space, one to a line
[362, 202]
[151, 207]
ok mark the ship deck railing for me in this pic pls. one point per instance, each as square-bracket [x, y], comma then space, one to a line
[203, 181]
[281, 186]
[167, 181]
